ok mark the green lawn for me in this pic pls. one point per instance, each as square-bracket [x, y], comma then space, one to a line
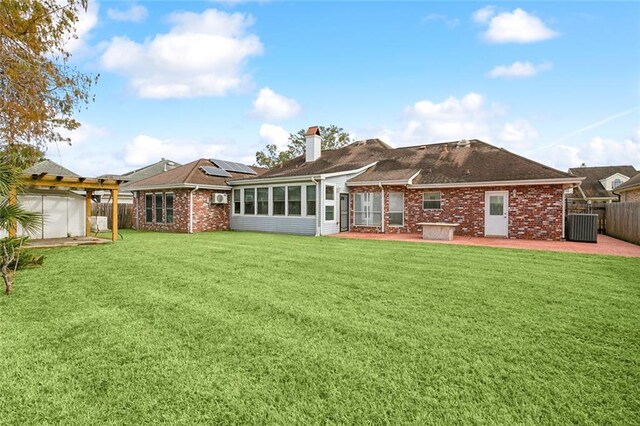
[252, 328]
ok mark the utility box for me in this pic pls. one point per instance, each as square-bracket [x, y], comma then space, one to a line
[99, 224]
[582, 227]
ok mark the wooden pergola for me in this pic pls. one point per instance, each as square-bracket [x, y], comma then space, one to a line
[45, 180]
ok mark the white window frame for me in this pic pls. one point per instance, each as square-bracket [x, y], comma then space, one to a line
[255, 204]
[315, 200]
[439, 199]
[233, 202]
[368, 211]
[328, 203]
[395, 211]
[268, 201]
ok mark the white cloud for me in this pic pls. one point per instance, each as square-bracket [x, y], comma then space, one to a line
[146, 149]
[135, 13]
[449, 22]
[519, 133]
[598, 151]
[202, 55]
[483, 15]
[270, 105]
[513, 27]
[83, 134]
[451, 119]
[519, 70]
[87, 20]
[276, 135]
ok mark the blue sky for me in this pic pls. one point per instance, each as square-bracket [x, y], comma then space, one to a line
[556, 82]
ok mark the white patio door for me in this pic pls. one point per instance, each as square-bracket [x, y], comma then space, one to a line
[496, 214]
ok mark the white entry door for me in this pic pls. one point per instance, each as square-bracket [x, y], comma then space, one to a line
[496, 214]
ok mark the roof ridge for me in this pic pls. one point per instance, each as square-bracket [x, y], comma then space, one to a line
[193, 169]
[532, 161]
[604, 167]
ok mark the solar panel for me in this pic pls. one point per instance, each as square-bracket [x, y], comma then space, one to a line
[214, 171]
[230, 166]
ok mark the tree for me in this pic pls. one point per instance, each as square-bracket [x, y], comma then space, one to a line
[39, 90]
[12, 253]
[333, 137]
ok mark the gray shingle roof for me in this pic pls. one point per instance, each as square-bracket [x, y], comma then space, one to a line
[631, 183]
[49, 167]
[591, 185]
[450, 162]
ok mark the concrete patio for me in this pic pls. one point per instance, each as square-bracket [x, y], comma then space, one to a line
[605, 246]
[66, 242]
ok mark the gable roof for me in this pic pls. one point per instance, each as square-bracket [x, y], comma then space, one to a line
[632, 183]
[457, 162]
[48, 167]
[591, 186]
[186, 176]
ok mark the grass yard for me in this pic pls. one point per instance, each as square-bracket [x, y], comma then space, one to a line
[228, 327]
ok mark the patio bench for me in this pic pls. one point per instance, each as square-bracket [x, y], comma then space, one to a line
[438, 230]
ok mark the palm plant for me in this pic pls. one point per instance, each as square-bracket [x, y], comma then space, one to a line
[12, 253]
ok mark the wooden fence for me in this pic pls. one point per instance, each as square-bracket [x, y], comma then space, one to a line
[623, 221]
[125, 214]
[581, 206]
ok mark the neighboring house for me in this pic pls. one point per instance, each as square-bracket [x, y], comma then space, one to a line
[190, 198]
[368, 186]
[600, 183]
[630, 190]
[63, 211]
[126, 197]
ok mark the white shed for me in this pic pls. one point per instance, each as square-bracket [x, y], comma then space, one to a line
[63, 213]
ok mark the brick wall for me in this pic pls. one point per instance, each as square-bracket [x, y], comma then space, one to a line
[631, 196]
[535, 212]
[206, 216]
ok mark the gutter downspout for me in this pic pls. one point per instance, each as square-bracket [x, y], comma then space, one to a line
[564, 212]
[382, 207]
[191, 208]
[317, 206]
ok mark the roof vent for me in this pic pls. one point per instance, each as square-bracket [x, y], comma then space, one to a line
[463, 143]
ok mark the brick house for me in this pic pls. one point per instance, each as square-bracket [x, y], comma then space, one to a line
[630, 190]
[189, 198]
[368, 186]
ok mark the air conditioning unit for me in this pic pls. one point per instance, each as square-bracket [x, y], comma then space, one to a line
[219, 198]
[582, 227]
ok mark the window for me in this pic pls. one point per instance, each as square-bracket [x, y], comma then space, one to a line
[159, 215]
[329, 193]
[278, 200]
[168, 207]
[263, 201]
[431, 200]
[616, 183]
[249, 201]
[329, 213]
[294, 202]
[368, 209]
[330, 203]
[311, 200]
[496, 205]
[396, 209]
[148, 208]
[237, 201]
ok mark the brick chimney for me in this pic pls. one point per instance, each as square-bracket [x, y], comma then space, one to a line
[314, 143]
